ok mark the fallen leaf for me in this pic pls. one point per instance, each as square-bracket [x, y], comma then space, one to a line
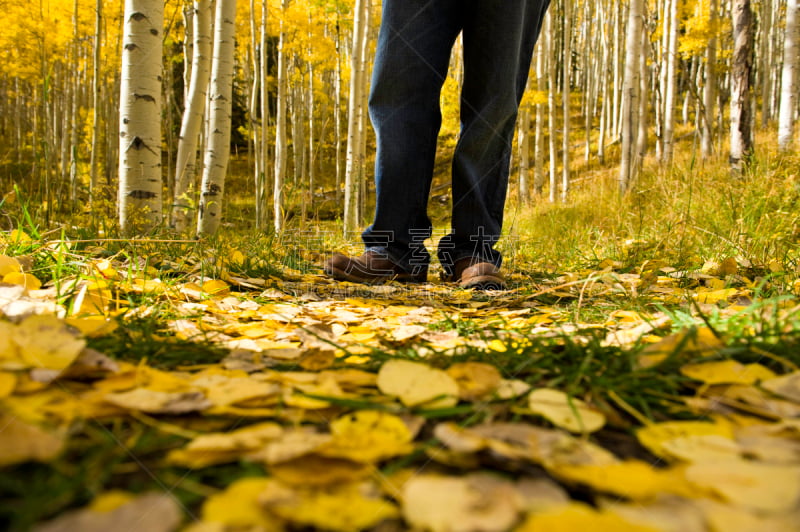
[476, 502]
[417, 384]
[787, 386]
[21, 442]
[156, 402]
[238, 506]
[223, 447]
[727, 371]
[657, 437]
[154, 512]
[344, 508]
[760, 487]
[687, 343]
[46, 342]
[576, 516]
[476, 380]
[632, 479]
[566, 412]
[368, 436]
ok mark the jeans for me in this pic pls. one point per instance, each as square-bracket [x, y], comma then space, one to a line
[414, 45]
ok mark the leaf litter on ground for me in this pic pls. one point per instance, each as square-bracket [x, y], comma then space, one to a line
[649, 399]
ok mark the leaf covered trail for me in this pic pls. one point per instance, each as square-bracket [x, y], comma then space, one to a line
[646, 399]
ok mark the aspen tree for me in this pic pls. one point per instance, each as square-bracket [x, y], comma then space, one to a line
[565, 94]
[194, 110]
[280, 125]
[261, 183]
[538, 142]
[550, 30]
[140, 116]
[523, 144]
[218, 149]
[355, 156]
[630, 96]
[741, 72]
[710, 87]
[670, 80]
[789, 76]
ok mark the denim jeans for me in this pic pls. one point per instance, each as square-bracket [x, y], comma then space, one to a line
[414, 45]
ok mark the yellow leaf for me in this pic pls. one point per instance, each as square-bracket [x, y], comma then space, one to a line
[19, 236]
[110, 500]
[727, 371]
[8, 381]
[576, 516]
[479, 501]
[9, 265]
[632, 479]
[655, 436]
[21, 442]
[216, 287]
[787, 386]
[475, 380]
[46, 342]
[368, 436]
[345, 508]
[761, 487]
[715, 296]
[686, 343]
[155, 402]
[727, 267]
[222, 447]
[154, 512]
[238, 505]
[224, 391]
[9, 354]
[565, 412]
[417, 384]
[729, 518]
[93, 326]
[313, 470]
[25, 279]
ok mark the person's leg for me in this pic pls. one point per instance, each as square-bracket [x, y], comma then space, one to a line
[413, 53]
[499, 36]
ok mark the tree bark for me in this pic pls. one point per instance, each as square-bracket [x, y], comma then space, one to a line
[741, 90]
[280, 126]
[194, 110]
[217, 153]
[630, 96]
[355, 158]
[140, 116]
[789, 84]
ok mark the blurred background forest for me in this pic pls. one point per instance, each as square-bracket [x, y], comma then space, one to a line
[60, 80]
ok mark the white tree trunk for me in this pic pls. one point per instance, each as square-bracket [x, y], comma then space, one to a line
[538, 143]
[565, 94]
[217, 153]
[550, 32]
[140, 115]
[523, 144]
[194, 109]
[280, 127]
[789, 85]
[630, 96]
[741, 71]
[261, 184]
[355, 157]
[669, 87]
[710, 89]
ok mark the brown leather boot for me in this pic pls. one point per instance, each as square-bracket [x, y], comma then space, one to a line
[472, 272]
[371, 268]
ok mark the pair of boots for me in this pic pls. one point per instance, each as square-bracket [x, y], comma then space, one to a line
[373, 267]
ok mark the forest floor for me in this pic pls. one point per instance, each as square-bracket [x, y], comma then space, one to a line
[151, 385]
